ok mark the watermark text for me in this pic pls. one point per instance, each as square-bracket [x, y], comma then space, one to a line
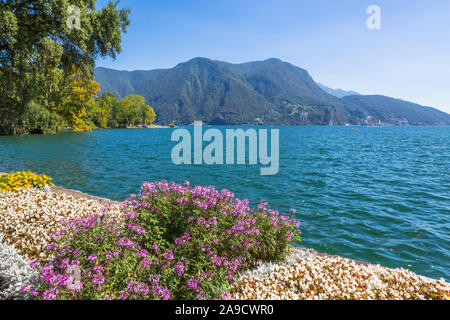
[230, 151]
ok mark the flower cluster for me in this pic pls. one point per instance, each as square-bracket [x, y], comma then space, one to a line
[173, 242]
[23, 180]
[336, 278]
[30, 218]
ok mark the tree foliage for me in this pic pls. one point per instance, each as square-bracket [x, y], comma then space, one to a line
[133, 110]
[44, 60]
[74, 97]
[101, 112]
[107, 111]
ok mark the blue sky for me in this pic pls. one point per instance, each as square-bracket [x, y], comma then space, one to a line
[408, 58]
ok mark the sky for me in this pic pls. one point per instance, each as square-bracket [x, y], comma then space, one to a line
[408, 58]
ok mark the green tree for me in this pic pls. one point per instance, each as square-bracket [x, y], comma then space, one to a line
[39, 119]
[102, 112]
[133, 110]
[38, 47]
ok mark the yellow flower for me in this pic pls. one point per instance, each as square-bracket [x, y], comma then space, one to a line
[22, 180]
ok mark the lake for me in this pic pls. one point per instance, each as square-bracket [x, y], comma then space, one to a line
[378, 194]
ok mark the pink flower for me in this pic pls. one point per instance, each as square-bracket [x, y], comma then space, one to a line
[179, 267]
[168, 255]
[224, 296]
[142, 253]
[25, 288]
[153, 278]
[50, 294]
[146, 264]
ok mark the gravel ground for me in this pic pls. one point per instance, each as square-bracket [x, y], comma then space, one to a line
[80, 195]
[29, 218]
[307, 274]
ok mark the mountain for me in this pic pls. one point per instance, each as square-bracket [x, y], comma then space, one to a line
[260, 92]
[385, 110]
[202, 89]
[122, 83]
[339, 93]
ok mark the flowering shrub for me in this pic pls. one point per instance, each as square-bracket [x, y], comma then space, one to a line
[23, 180]
[174, 242]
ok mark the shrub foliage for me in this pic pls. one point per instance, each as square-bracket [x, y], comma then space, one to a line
[173, 242]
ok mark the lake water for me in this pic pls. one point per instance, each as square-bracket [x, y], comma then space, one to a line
[378, 194]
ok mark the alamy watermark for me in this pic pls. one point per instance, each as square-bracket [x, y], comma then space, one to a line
[74, 18]
[374, 20]
[231, 151]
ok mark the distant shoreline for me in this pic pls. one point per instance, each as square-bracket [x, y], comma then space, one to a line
[236, 125]
[137, 127]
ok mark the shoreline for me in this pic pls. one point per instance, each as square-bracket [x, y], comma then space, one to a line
[303, 274]
[81, 195]
[296, 253]
[231, 125]
[153, 126]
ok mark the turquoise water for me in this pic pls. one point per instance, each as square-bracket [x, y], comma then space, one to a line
[358, 194]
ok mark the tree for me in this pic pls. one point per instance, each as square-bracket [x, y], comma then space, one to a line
[39, 119]
[133, 110]
[38, 47]
[74, 96]
[101, 113]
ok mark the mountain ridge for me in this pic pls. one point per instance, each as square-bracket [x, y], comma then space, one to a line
[270, 92]
[338, 93]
